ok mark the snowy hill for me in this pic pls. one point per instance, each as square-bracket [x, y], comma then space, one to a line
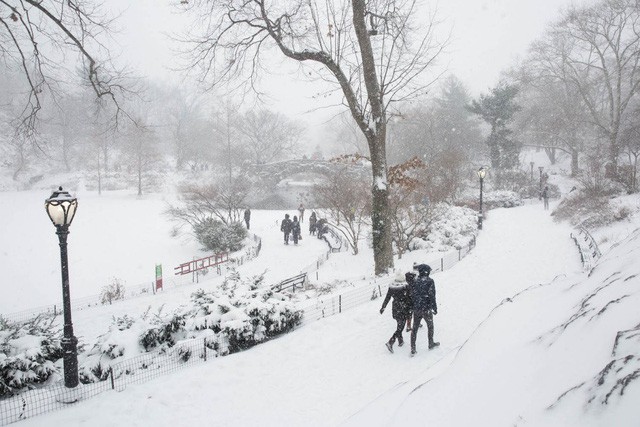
[563, 353]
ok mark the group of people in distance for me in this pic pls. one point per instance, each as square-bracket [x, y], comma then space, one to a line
[291, 227]
[412, 297]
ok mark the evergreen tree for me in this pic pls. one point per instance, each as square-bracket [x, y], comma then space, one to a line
[497, 109]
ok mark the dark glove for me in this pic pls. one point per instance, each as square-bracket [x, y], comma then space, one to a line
[381, 310]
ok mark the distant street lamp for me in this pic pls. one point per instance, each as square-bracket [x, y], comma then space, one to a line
[61, 208]
[481, 173]
[540, 191]
[531, 163]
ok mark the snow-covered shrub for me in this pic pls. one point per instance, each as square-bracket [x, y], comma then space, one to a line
[490, 200]
[580, 208]
[28, 353]
[217, 236]
[240, 312]
[112, 292]
[453, 227]
[501, 199]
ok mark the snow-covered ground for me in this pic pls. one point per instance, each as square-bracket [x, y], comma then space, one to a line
[491, 368]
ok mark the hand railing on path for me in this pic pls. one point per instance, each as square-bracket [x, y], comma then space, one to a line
[587, 246]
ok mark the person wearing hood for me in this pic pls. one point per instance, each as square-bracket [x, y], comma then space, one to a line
[285, 227]
[423, 295]
[400, 309]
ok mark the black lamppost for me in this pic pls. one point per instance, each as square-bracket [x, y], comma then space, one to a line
[481, 173]
[531, 163]
[61, 208]
[540, 168]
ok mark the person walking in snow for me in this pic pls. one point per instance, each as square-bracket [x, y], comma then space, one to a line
[295, 230]
[312, 223]
[400, 309]
[285, 227]
[301, 210]
[409, 277]
[247, 217]
[423, 295]
[545, 197]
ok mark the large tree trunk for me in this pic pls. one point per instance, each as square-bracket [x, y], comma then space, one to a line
[611, 168]
[574, 163]
[380, 215]
[376, 138]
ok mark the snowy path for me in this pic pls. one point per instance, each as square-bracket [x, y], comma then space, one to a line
[325, 373]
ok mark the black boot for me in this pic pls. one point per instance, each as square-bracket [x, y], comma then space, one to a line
[389, 346]
[433, 344]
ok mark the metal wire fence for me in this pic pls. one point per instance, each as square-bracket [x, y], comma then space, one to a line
[149, 366]
[136, 370]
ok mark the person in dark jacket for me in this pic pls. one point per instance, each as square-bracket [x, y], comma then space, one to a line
[400, 309]
[295, 230]
[423, 295]
[409, 277]
[321, 227]
[285, 227]
[247, 217]
[312, 223]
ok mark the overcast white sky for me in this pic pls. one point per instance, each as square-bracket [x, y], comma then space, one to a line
[487, 36]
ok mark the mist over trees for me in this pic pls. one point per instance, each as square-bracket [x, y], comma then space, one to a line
[338, 42]
[575, 93]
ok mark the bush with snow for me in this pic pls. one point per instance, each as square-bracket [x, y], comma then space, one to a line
[112, 292]
[217, 236]
[28, 353]
[454, 227]
[241, 313]
[491, 200]
[501, 199]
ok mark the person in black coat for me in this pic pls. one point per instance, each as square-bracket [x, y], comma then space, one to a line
[400, 309]
[423, 295]
[409, 277]
[285, 227]
[312, 223]
[247, 217]
[295, 230]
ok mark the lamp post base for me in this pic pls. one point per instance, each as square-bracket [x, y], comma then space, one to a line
[68, 395]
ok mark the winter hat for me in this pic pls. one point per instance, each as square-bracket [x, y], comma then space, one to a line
[399, 277]
[423, 268]
[409, 276]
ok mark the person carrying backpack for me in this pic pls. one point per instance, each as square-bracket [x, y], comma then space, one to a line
[285, 227]
[423, 295]
[400, 309]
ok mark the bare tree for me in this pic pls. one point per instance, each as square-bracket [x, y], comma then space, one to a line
[218, 202]
[553, 116]
[630, 140]
[596, 49]
[141, 153]
[409, 204]
[269, 136]
[35, 37]
[369, 49]
[346, 202]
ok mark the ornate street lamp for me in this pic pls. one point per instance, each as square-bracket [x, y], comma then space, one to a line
[481, 174]
[61, 208]
[540, 168]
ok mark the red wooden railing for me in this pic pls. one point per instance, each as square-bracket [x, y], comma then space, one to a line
[200, 264]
